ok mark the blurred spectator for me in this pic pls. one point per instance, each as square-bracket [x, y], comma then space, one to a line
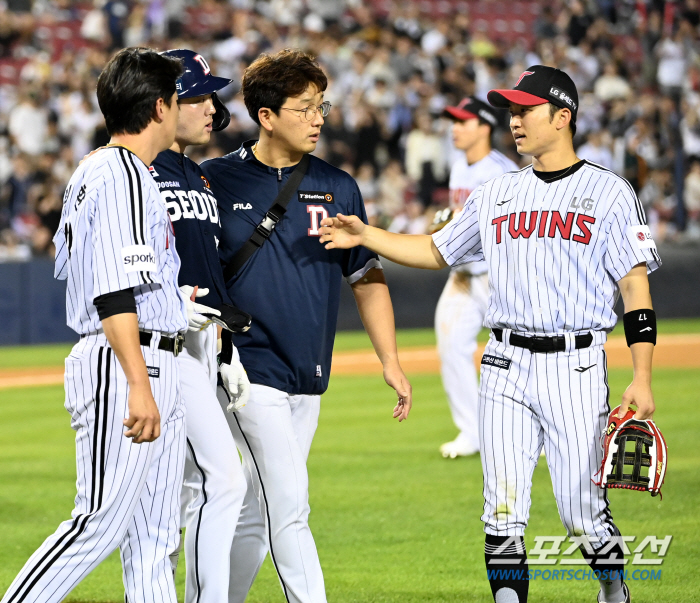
[28, 124]
[691, 198]
[412, 220]
[392, 67]
[11, 249]
[672, 62]
[597, 149]
[425, 161]
[393, 186]
[611, 85]
[48, 209]
[659, 203]
[367, 183]
[15, 192]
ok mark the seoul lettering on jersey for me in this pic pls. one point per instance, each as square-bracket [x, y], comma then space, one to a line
[194, 215]
[190, 205]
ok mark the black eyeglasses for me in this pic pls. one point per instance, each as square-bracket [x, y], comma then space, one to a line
[310, 112]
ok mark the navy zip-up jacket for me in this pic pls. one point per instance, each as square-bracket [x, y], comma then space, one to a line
[291, 285]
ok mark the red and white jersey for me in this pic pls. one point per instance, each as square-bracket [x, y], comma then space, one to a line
[555, 249]
[465, 178]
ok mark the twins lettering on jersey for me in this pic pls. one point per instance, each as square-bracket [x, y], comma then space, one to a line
[548, 223]
[190, 205]
[538, 220]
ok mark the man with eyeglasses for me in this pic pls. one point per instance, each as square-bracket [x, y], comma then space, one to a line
[291, 286]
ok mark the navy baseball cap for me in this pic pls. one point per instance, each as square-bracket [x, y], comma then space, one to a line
[538, 85]
[472, 108]
[197, 79]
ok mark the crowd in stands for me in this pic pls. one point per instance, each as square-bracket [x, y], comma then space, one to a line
[392, 67]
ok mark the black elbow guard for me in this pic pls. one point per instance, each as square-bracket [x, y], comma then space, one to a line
[640, 325]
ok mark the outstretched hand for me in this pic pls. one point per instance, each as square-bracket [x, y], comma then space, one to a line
[342, 232]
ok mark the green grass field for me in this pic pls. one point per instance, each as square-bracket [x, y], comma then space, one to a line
[393, 521]
[347, 341]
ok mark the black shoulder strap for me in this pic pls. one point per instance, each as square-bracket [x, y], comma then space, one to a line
[264, 230]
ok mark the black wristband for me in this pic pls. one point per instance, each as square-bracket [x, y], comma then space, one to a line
[226, 354]
[640, 325]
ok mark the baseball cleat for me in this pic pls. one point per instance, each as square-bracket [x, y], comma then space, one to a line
[457, 447]
[625, 590]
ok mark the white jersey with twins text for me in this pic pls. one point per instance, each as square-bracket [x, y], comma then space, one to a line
[115, 234]
[465, 178]
[555, 250]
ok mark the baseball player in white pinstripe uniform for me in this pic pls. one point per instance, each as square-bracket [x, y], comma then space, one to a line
[462, 305]
[115, 248]
[563, 238]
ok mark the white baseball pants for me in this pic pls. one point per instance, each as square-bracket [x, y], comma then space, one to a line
[458, 319]
[128, 494]
[214, 484]
[274, 432]
[559, 401]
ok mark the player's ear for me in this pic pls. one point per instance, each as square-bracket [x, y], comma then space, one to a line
[265, 117]
[159, 111]
[563, 119]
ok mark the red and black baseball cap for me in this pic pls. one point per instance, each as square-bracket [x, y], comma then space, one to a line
[538, 85]
[472, 108]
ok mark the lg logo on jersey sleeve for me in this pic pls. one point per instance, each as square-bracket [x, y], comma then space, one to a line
[139, 258]
[641, 236]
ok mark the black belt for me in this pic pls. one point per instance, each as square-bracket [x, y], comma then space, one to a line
[168, 344]
[543, 344]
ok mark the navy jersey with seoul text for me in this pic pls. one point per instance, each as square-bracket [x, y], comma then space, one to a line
[291, 286]
[195, 218]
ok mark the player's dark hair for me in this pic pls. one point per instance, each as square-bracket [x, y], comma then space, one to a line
[553, 111]
[130, 85]
[492, 129]
[272, 78]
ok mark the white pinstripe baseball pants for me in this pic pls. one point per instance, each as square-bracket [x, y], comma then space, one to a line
[126, 492]
[542, 400]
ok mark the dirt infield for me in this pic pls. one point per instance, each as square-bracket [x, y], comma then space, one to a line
[679, 351]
